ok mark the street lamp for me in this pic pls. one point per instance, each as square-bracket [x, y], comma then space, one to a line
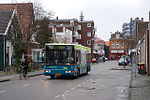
[124, 61]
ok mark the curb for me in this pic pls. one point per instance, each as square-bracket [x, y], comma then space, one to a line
[35, 75]
[120, 69]
[9, 79]
[5, 80]
[130, 83]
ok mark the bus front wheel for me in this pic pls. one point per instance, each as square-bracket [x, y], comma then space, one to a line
[78, 73]
[52, 76]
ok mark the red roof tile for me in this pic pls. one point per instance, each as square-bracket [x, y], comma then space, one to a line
[107, 43]
[98, 40]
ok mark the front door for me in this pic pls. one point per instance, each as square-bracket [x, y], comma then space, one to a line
[1, 55]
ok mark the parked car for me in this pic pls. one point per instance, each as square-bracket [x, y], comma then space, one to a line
[102, 59]
[124, 60]
[99, 59]
[106, 59]
[94, 60]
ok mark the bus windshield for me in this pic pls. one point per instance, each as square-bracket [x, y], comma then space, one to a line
[59, 55]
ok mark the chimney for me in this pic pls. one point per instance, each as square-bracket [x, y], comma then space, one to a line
[81, 16]
[130, 19]
[142, 19]
[57, 18]
[137, 18]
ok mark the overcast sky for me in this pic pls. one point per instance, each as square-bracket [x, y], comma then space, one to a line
[108, 15]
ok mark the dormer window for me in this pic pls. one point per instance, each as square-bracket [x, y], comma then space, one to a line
[117, 36]
[88, 24]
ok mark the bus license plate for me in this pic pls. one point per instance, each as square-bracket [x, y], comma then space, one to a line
[58, 74]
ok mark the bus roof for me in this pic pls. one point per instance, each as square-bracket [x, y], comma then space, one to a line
[77, 46]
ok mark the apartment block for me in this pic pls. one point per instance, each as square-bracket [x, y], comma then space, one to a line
[87, 32]
[68, 26]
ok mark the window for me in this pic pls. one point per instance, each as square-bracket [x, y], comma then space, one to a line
[35, 56]
[71, 22]
[89, 42]
[117, 45]
[117, 36]
[88, 24]
[122, 45]
[102, 47]
[89, 34]
[79, 27]
[79, 36]
[113, 45]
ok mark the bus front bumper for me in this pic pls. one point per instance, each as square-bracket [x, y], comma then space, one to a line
[48, 72]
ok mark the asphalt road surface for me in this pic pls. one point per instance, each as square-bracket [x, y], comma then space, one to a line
[101, 83]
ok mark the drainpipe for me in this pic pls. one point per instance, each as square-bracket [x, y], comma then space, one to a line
[5, 53]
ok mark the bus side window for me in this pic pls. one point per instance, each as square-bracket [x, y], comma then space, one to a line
[77, 57]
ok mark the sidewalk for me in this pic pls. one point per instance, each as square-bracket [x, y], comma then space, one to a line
[139, 86]
[10, 77]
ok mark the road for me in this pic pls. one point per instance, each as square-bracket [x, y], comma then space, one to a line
[100, 84]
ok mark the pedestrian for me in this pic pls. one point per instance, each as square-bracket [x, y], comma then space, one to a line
[25, 68]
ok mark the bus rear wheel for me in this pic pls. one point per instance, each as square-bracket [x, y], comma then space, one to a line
[86, 71]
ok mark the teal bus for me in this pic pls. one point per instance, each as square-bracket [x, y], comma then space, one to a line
[66, 60]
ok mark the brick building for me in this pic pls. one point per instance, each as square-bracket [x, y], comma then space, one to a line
[63, 25]
[83, 32]
[26, 16]
[87, 32]
[117, 46]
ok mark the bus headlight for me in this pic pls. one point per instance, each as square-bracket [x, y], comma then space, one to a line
[69, 71]
[68, 64]
[66, 71]
[48, 71]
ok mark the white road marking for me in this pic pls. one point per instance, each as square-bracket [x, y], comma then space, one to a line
[2, 91]
[83, 82]
[26, 85]
[87, 80]
[41, 81]
[73, 88]
[79, 85]
[66, 92]
[63, 96]
[57, 96]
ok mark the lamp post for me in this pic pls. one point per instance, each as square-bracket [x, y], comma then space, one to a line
[124, 62]
[124, 56]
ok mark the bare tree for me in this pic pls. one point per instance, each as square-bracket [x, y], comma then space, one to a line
[43, 32]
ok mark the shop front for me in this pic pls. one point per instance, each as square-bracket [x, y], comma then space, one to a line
[116, 54]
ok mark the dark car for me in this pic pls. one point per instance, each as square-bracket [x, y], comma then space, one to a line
[124, 60]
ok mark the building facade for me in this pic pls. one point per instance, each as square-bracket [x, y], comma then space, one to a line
[87, 32]
[106, 48]
[9, 30]
[99, 48]
[74, 31]
[65, 30]
[117, 46]
[25, 14]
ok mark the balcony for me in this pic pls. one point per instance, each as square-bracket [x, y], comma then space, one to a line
[75, 34]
